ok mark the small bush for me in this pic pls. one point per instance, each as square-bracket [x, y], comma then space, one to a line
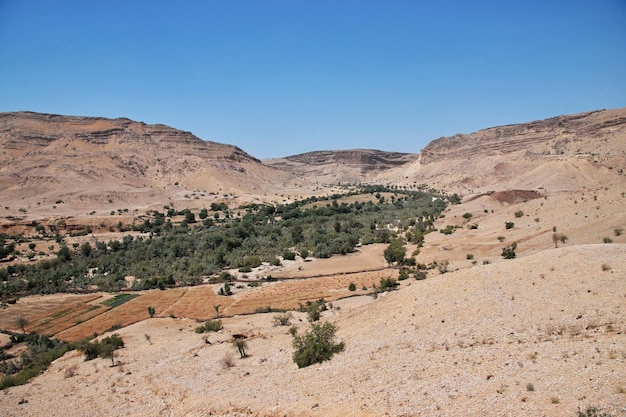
[282, 319]
[592, 412]
[316, 346]
[508, 252]
[103, 348]
[289, 255]
[241, 345]
[467, 216]
[210, 326]
[352, 287]
[387, 284]
[519, 213]
[403, 274]
[509, 225]
[419, 275]
[607, 240]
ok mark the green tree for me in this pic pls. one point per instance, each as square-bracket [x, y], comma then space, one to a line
[395, 252]
[316, 346]
[85, 249]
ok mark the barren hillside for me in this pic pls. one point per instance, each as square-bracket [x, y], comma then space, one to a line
[79, 164]
[541, 335]
[564, 153]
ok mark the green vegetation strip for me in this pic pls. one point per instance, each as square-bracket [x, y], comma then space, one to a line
[118, 300]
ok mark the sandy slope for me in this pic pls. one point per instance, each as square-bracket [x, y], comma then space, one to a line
[555, 320]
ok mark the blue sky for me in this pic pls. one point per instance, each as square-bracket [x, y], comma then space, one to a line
[278, 78]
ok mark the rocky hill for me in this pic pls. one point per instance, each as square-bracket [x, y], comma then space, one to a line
[348, 166]
[562, 153]
[103, 164]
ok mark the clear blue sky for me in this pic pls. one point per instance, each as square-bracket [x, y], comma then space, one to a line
[278, 78]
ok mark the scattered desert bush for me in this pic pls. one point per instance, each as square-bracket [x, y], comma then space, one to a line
[607, 240]
[314, 309]
[419, 275]
[104, 348]
[241, 345]
[509, 225]
[282, 319]
[508, 252]
[210, 326]
[519, 213]
[316, 346]
[442, 266]
[352, 286]
[387, 284]
[592, 412]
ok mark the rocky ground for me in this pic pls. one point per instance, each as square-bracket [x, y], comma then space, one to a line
[538, 335]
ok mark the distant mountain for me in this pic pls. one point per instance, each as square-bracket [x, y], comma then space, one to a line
[345, 166]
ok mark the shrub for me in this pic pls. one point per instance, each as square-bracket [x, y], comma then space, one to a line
[442, 267]
[509, 225]
[508, 252]
[241, 345]
[420, 275]
[225, 290]
[467, 216]
[592, 412]
[314, 309]
[316, 346]
[607, 240]
[104, 348]
[387, 284]
[519, 213]
[352, 287]
[289, 255]
[210, 326]
[282, 319]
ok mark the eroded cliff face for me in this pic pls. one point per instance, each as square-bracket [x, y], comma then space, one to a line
[93, 158]
[578, 134]
[563, 153]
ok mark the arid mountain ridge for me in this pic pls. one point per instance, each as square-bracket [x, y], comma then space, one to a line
[95, 163]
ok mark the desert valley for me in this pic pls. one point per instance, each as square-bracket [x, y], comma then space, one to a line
[505, 293]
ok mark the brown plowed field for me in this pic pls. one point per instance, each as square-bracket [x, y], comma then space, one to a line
[197, 303]
[128, 313]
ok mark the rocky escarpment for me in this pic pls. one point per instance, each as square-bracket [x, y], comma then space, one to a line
[562, 135]
[572, 152]
[92, 159]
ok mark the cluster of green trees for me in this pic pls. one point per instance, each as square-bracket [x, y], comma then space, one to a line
[170, 254]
